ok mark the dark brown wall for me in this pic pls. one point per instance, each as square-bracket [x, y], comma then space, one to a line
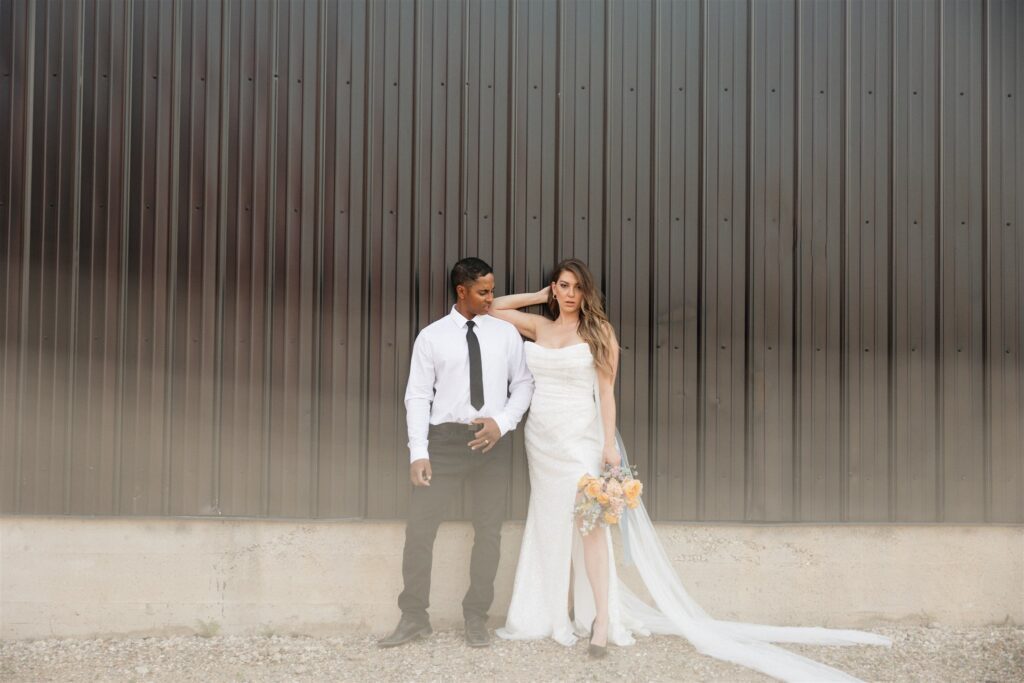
[222, 224]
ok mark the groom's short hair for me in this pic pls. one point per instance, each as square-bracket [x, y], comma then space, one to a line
[468, 270]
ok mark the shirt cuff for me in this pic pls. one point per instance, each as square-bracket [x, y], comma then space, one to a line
[418, 454]
[503, 424]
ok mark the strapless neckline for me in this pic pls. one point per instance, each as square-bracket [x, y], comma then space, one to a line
[556, 348]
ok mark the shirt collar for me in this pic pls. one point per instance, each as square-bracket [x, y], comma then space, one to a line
[460, 321]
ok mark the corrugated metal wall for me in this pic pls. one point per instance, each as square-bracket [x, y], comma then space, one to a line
[222, 224]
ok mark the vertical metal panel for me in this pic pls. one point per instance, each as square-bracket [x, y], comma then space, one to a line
[961, 307]
[223, 223]
[819, 235]
[867, 247]
[726, 136]
[1004, 207]
[16, 74]
[773, 130]
[676, 258]
[916, 173]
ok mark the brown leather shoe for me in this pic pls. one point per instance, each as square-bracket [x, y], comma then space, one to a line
[408, 629]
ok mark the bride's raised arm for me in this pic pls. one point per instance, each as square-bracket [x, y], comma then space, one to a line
[504, 308]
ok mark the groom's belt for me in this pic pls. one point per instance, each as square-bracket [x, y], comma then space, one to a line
[453, 429]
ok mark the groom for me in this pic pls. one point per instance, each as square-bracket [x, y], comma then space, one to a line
[468, 386]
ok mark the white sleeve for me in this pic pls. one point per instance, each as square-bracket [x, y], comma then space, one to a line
[419, 394]
[520, 386]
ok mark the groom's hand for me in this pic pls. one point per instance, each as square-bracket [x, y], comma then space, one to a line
[486, 436]
[419, 472]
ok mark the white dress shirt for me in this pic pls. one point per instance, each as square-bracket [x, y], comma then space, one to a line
[438, 388]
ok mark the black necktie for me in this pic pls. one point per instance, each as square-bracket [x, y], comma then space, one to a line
[476, 379]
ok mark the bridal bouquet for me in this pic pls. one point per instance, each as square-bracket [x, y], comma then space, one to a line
[601, 501]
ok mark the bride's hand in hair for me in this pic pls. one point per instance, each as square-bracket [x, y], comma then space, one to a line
[611, 456]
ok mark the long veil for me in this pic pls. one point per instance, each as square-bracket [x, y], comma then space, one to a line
[675, 613]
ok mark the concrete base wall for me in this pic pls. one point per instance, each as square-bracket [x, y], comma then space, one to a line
[94, 577]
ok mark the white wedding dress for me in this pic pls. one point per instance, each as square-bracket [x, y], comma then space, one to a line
[564, 440]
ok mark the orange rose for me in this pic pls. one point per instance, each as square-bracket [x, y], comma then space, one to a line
[593, 488]
[611, 518]
[632, 488]
[602, 498]
[582, 484]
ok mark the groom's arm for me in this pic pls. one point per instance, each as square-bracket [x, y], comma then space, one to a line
[520, 387]
[419, 394]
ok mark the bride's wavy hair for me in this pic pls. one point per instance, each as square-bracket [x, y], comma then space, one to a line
[594, 327]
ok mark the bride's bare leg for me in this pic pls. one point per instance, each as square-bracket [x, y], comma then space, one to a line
[595, 557]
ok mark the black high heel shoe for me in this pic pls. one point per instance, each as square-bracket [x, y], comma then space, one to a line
[596, 651]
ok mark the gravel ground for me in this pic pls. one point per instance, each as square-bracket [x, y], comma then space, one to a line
[918, 654]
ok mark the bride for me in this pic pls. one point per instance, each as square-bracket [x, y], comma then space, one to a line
[571, 432]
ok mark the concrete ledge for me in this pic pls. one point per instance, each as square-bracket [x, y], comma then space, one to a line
[83, 577]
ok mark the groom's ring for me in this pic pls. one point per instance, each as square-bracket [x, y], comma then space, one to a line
[486, 441]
